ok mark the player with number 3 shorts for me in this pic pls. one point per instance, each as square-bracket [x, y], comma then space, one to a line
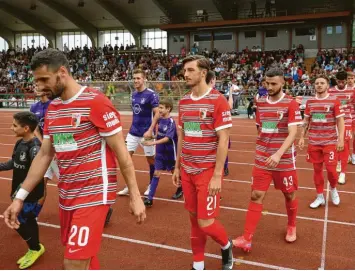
[324, 119]
[277, 119]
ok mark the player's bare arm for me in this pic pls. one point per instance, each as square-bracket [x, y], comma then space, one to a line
[341, 129]
[149, 133]
[38, 168]
[215, 185]
[304, 131]
[117, 144]
[176, 174]
[38, 134]
[156, 142]
[274, 159]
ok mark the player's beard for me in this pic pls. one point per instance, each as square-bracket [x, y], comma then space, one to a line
[58, 88]
[192, 84]
[275, 93]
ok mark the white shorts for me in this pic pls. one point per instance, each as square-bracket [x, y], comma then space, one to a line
[53, 169]
[134, 141]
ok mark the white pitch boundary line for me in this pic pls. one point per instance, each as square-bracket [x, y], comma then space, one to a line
[240, 209]
[325, 231]
[173, 248]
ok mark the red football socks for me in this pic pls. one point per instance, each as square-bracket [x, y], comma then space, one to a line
[198, 241]
[252, 219]
[332, 175]
[217, 232]
[318, 177]
[291, 207]
[94, 263]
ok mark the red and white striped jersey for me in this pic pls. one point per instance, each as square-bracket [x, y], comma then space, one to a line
[77, 129]
[322, 115]
[201, 118]
[347, 100]
[353, 111]
[273, 119]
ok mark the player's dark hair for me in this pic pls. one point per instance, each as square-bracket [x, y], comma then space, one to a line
[136, 71]
[52, 58]
[26, 119]
[341, 75]
[322, 76]
[210, 76]
[167, 103]
[274, 72]
[202, 62]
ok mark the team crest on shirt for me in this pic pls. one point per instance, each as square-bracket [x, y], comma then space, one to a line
[327, 108]
[280, 115]
[142, 100]
[203, 113]
[75, 120]
[22, 156]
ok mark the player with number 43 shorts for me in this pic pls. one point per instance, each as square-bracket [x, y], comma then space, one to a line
[277, 119]
[324, 119]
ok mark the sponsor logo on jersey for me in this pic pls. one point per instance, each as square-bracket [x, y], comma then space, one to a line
[111, 119]
[192, 129]
[319, 117]
[203, 113]
[269, 127]
[64, 142]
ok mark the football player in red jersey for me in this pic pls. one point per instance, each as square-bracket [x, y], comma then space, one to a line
[277, 119]
[324, 119]
[86, 152]
[347, 99]
[350, 84]
[204, 122]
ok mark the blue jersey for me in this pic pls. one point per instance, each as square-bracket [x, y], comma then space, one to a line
[166, 128]
[142, 105]
[40, 110]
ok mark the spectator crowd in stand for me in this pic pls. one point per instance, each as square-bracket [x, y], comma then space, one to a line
[244, 69]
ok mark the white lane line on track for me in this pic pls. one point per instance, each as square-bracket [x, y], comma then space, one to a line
[177, 249]
[238, 209]
[325, 231]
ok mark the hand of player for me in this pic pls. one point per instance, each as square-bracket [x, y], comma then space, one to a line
[273, 160]
[137, 208]
[301, 143]
[340, 145]
[148, 134]
[11, 213]
[176, 177]
[215, 185]
[148, 143]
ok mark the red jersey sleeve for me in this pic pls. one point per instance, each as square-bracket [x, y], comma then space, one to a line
[338, 109]
[104, 116]
[294, 114]
[307, 111]
[222, 114]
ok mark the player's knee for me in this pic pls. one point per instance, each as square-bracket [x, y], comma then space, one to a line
[76, 264]
[257, 196]
[193, 214]
[290, 196]
[205, 222]
[150, 160]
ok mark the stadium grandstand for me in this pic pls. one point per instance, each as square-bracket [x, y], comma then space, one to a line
[105, 41]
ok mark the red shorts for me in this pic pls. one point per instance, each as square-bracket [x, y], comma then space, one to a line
[319, 154]
[197, 198]
[81, 231]
[286, 181]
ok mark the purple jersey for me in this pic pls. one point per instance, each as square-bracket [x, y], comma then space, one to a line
[40, 110]
[166, 128]
[142, 105]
